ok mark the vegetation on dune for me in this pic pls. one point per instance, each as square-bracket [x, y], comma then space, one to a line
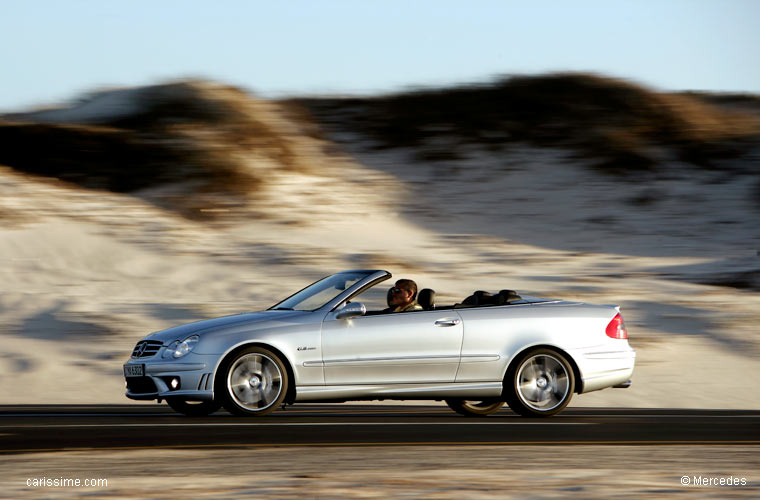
[204, 137]
[622, 126]
[217, 140]
[104, 158]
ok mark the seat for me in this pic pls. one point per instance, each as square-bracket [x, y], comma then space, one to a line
[483, 298]
[478, 298]
[507, 297]
[426, 298]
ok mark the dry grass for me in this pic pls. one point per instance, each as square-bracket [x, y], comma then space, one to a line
[196, 144]
[622, 126]
[107, 158]
[201, 140]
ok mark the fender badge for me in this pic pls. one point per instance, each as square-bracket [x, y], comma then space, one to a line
[306, 348]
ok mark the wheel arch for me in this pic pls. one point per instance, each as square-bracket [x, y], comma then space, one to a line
[576, 371]
[291, 394]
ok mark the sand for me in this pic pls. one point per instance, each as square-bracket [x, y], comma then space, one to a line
[482, 472]
[89, 273]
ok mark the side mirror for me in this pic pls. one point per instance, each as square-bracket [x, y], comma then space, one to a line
[351, 310]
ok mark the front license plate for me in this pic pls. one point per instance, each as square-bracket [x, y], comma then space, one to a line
[134, 370]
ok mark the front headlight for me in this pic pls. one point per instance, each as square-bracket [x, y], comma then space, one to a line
[178, 349]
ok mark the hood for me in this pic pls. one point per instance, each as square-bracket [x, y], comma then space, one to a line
[182, 332]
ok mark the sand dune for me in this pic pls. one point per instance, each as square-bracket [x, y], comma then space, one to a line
[88, 271]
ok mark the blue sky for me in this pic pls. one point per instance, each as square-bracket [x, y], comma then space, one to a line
[52, 51]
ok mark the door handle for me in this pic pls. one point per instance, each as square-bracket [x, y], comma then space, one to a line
[447, 322]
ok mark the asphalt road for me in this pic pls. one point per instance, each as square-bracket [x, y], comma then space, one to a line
[114, 427]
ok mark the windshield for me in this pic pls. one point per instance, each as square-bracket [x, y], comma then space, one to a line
[323, 291]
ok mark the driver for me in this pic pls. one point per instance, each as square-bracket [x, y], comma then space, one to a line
[402, 297]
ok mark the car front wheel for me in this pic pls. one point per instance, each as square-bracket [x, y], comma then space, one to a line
[539, 384]
[254, 382]
[475, 408]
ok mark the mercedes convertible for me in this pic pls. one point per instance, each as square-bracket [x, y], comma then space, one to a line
[334, 342]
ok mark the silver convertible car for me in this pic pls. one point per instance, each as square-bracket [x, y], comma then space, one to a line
[325, 344]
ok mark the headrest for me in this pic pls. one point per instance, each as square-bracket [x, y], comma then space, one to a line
[426, 298]
[476, 299]
[483, 298]
[507, 296]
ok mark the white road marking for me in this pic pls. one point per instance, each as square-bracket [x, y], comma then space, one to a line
[284, 424]
[363, 413]
[685, 415]
[87, 415]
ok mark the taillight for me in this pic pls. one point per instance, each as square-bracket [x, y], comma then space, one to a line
[616, 328]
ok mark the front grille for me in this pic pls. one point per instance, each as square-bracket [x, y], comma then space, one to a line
[146, 348]
[141, 385]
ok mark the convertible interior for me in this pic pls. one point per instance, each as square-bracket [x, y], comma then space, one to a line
[480, 298]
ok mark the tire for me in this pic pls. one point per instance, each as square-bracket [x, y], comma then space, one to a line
[475, 408]
[540, 384]
[193, 408]
[253, 382]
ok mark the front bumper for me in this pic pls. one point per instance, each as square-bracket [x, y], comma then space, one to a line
[194, 375]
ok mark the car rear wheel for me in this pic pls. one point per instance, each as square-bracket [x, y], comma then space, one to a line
[193, 408]
[254, 381]
[540, 384]
[475, 408]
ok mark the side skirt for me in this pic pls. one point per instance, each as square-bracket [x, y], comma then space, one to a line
[468, 390]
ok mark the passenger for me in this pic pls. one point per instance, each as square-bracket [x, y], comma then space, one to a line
[403, 297]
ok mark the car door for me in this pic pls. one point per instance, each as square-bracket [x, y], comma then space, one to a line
[408, 347]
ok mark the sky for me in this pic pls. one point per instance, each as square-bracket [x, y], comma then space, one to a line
[54, 51]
